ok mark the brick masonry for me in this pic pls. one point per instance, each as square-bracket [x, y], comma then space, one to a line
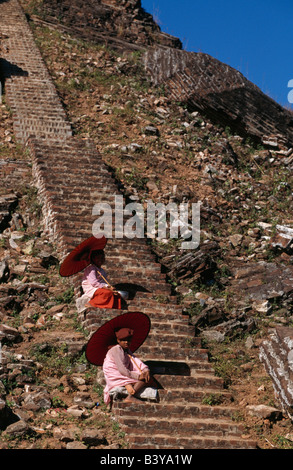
[71, 177]
[120, 24]
[276, 354]
[220, 92]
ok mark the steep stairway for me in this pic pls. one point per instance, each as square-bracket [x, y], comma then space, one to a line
[71, 179]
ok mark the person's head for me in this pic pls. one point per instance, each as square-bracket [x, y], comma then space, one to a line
[124, 337]
[98, 257]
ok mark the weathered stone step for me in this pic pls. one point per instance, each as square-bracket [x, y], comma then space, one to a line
[70, 183]
[141, 256]
[174, 329]
[168, 339]
[173, 441]
[184, 427]
[160, 315]
[168, 410]
[138, 275]
[63, 160]
[183, 354]
[83, 153]
[38, 124]
[155, 305]
[114, 264]
[117, 247]
[194, 395]
[199, 381]
[190, 368]
[154, 283]
[23, 135]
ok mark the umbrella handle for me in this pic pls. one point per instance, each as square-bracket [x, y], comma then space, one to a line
[106, 280]
[132, 359]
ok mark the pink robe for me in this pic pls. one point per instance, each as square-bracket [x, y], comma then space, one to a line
[92, 281]
[119, 370]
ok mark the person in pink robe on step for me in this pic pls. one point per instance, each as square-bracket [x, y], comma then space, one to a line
[122, 369]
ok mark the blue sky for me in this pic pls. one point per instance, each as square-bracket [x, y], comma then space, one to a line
[254, 37]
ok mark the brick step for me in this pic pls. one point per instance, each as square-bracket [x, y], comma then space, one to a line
[43, 125]
[31, 85]
[34, 66]
[172, 328]
[170, 353]
[81, 213]
[169, 329]
[141, 252]
[158, 306]
[28, 90]
[167, 339]
[83, 155]
[81, 200]
[166, 441]
[136, 267]
[84, 195]
[162, 327]
[25, 109]
[153, 283]
[39, 92]
[165, 367]
[162, 317]
[72, 170]
[100, 315]
[162, 312]
[73, 197]
[54, 114]
[171, 302]
[168, 410]
[123, 255]
[128, 247]
[193, 395]
[137, 275]
[112, 263]
[22, 136]
[41, 102]
[67, 181]
[148, 268]
[180, 427]
[159, 315]
[202, 380]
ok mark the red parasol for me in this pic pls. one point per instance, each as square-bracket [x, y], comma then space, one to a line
[79, 258]
[104, 337]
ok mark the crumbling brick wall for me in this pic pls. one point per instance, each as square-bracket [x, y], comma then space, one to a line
[220, 92]
[118, 23]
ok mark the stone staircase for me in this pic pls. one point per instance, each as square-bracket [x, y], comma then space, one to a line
[71, 178]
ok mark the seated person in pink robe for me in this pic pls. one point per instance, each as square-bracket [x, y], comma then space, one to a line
[122, 369]
[95, 285]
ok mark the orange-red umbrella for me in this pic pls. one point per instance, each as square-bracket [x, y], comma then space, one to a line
[79, 258]
[104, 337]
